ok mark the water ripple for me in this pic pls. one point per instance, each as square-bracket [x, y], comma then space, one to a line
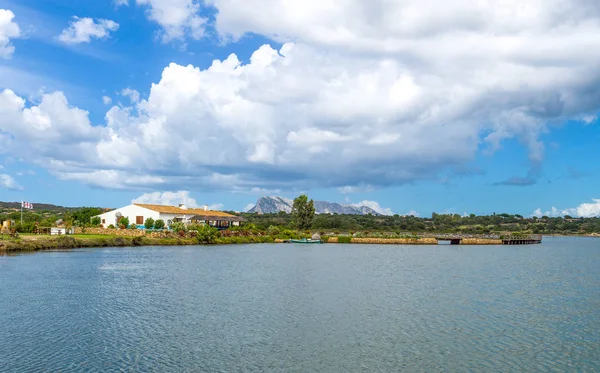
[332, 308]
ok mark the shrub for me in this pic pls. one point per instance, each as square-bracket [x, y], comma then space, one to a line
[344, 239]
[96, 221]
[149, 223]
[207, 234]
[159, 224]
[124, 222]
[111, 226]
[273, 231]
[178, 227]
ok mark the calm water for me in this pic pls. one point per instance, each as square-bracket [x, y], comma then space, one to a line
[304, 308]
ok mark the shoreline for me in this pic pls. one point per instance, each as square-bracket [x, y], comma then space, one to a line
[44, 243]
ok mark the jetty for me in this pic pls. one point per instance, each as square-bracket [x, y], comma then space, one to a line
[454, 239]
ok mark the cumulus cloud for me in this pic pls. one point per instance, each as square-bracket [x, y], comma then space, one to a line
[375, 206]
[119, 3]
[8, 30]
[585, 210]
[83, 30]
[167, 198]
[133, 95]
[177, 18]
[107, 100]
[358, 99]
[7, 181]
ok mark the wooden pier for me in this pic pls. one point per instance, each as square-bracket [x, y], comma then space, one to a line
[454, 239]
[522, 240]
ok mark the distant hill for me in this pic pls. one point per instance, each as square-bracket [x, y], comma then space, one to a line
[37, 207]
[273, 205]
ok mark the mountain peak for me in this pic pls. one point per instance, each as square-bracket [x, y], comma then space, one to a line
[275, 204]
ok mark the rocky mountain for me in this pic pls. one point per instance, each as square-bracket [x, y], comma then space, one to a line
[273, 205]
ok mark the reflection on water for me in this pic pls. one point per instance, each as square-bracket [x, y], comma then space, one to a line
[334, 308]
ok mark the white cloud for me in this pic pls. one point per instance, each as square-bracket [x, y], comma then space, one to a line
[177, 18]
[167, 198]
[412, 213]
[360, 98]
[216, 206]
[119, 3]
[6, 181]
[585, 210]
[8, 30]
[350, 189]
[173, 199]
[589, 119]
[83, 30]
[133, 95]
[375, 206]
[106, 100]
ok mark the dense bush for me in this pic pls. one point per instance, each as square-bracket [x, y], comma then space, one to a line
[124, 222]
[344, 239]
[149, 223]
[179, 227]
[96, 221]
[159, 224]
[206, 234]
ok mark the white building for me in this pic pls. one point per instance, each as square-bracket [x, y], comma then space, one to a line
[137, 214]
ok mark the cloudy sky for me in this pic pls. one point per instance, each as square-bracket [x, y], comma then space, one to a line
[462, 106]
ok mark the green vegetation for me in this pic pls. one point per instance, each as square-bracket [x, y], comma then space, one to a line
[303, 221]
[149, 223]
[206, 234]
[409, 226]
[344, 239]
[159, 224]
[303, 212]
[124, 222]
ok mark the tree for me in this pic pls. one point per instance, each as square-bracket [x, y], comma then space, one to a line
[96, 220]
[303, 212]
[124, 222]
[149, 223]
[568, 217]
[159, 224]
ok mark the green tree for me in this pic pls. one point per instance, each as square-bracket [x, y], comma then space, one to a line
[124, 222]
[96, 220]
[303, 212]
[159, 224]
[149, 223]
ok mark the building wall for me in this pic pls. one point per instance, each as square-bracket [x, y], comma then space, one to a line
[131, 212]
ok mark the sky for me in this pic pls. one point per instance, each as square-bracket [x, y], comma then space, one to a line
[408, 106]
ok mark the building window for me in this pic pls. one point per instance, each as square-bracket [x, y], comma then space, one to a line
[103, 221]
[139, 220]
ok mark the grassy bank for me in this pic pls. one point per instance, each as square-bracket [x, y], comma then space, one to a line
[82, 241]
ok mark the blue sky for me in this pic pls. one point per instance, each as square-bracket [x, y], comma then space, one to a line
[468, 110]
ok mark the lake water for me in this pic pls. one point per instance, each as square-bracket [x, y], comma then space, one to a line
[304, 308]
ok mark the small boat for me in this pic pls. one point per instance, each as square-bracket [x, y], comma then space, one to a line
[304, 240]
